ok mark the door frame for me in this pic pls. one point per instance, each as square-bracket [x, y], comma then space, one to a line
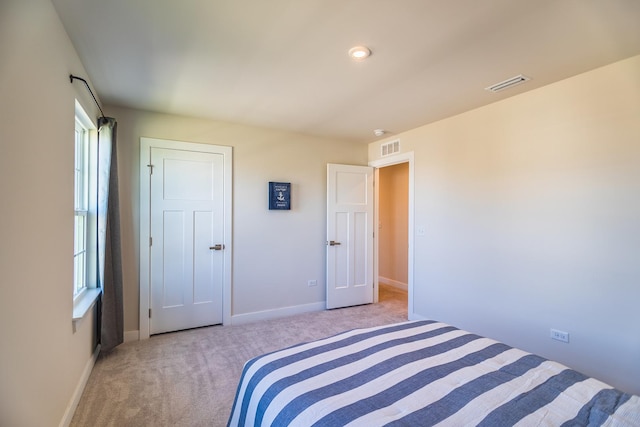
[377, 164]
[146, 144]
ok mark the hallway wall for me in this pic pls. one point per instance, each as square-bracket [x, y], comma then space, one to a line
[393, 225]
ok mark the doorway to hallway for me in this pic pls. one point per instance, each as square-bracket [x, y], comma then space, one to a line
[393, 243]
[393, 231]
[393, 226]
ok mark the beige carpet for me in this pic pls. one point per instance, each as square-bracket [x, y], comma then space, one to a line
[189, 378]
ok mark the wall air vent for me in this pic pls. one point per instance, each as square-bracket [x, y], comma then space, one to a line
[390, 147]
[513, 81]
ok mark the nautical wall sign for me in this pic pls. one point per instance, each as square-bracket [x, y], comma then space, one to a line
[279, 195]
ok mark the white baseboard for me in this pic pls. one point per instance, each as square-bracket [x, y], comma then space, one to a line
[77, 394]
[257, 316]
[393, 283]
[131, 336]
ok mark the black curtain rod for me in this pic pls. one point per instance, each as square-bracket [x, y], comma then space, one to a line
[72, 77]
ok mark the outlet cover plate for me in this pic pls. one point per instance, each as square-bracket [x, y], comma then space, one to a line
[559, 335]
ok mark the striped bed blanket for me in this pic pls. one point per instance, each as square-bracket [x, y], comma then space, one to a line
[421, 373]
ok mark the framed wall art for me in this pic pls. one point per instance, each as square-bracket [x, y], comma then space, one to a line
[279, 195]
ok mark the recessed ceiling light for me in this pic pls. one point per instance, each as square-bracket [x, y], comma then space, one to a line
[359, 53]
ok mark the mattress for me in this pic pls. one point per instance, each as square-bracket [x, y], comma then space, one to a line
[421, 373]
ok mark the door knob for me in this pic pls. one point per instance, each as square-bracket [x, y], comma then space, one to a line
[333, 243]
[217, 247]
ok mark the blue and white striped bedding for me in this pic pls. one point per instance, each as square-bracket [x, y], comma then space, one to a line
[421, 373]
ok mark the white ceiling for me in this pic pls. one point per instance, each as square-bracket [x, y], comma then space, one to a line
[284, 64]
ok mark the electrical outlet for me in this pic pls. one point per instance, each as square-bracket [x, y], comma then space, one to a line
[559, 335]
[312, 283]
[421, 230]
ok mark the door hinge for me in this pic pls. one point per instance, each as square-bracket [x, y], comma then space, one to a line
[150, 241]
[150, 169]
[149, 313]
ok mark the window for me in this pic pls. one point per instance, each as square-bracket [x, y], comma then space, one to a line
[81, 186]
[85, 284]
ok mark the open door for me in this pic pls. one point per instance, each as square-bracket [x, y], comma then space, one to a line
[349, 235]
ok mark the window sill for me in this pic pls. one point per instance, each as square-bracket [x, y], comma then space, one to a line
[83, 303]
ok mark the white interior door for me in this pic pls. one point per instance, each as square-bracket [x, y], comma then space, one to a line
[187, 239]
[349, 235]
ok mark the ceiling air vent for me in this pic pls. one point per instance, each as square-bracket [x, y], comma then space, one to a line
[513, 81]
[390, 147]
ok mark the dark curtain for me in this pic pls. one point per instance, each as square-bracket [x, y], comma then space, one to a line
[111, 313]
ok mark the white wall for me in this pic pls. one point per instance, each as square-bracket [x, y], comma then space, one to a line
[275, 252]
[532, 212]
[41, 358]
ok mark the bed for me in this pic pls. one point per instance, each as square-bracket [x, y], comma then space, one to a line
[421, 373]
